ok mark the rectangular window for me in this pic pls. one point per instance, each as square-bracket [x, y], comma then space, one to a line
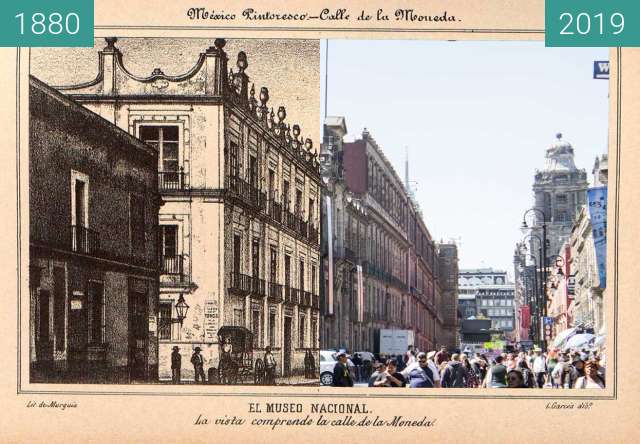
[59, 312]
[137, 225]
[164, 321]
[169, 240]
[314, 334]
[285, 195]
[238, 317]
[273, 271]
[311, 210]
[301, 276]
[287, 270]
[253, 171]
[272, 183]
[236, 253]
[301, 332]
[83, 240]
[298, 208]
[166, 140]
[313, 279]
[272, 329]
[233, 159]
[255, 257]
[96, 312]
[255, 325]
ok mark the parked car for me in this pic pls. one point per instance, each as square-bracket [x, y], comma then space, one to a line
[327, 363]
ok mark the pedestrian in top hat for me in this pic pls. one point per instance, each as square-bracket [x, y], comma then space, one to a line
[176, 365]
[198, 365]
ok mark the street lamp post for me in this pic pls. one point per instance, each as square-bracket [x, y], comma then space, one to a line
[535, 311]
[543, 262]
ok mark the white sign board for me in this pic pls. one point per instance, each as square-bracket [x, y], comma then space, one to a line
[211, 320]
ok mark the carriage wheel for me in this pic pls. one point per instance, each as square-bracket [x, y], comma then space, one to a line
[228, 372]
[259, 372]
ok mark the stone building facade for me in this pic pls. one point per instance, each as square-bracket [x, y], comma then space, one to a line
[239, 230]
[380, 265]
[560, 189]
[93, 249]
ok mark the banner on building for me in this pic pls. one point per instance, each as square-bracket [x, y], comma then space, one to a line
[525, 316]
[547, 326]
[598, 214]
[330, 256]
[360, 293]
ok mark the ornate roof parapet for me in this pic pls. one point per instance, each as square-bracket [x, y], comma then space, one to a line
[272, 122]
[208, 78]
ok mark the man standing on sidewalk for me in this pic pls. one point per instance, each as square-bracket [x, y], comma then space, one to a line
[198, 365]
[539, 367]
[341, 374]
[176, 365]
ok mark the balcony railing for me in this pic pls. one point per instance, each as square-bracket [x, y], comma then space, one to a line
[275, 211]
[314, 235]
[84, 240]
[171, 180]
[315, 301]
[275, 293]
[240, 282]
[173, 265]
[306, 299]
[247, 193]
[257, 287]
[291, 295]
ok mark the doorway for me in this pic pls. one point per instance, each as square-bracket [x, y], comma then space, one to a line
[287, 346]
[44, 347]
[138, 336]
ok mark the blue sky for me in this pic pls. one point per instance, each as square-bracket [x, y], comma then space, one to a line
[477, 118]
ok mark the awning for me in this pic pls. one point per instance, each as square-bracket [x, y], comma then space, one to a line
[563, 336]
[578, 341]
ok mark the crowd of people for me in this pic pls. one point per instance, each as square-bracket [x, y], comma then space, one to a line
[580, 369]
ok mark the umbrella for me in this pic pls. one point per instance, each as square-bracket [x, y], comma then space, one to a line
[563, 336]
[600, 340]
[578, 341]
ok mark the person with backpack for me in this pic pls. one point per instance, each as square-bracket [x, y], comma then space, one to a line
[496, 375]
[473, 381]
[421, 376]
[455, 374]
[527, 374]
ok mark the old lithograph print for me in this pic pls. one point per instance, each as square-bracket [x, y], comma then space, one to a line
[174, 218]
[246, 226]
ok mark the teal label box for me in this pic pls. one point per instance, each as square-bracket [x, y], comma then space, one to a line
[38, 23]
[591, 23]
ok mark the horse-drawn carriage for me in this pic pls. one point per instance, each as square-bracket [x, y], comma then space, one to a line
[235, 346]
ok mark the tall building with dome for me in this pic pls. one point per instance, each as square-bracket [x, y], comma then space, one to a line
[559, 189]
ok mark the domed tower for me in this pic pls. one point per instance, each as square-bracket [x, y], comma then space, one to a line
[560, 189]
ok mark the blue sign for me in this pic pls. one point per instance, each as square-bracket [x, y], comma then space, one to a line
[598, 213]
[601, 69]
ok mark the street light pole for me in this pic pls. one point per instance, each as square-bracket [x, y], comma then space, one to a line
[543, 265]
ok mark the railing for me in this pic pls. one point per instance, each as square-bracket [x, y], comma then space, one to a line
[247, 193]
[275, 293]
[291, 221]
[84, 240]
[314, 235]
[240, 282]
[315, 301]
[306, 299]
[303, 228]
[275, 211]
[291, 295]
[173, 265]
[257, 286]
[171, 180]
[349, 255]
